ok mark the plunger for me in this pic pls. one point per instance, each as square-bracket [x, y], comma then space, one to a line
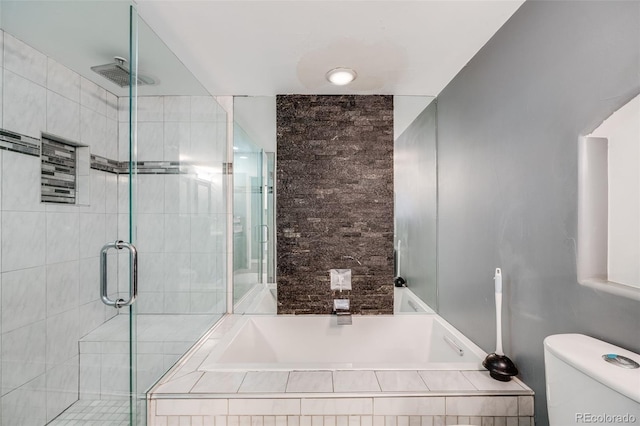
[500, 366]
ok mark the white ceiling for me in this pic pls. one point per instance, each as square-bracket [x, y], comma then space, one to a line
[278, 47]
[82, 34]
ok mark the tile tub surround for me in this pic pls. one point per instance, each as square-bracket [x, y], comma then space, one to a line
[335, 199]
[331, 397]
[162, 340]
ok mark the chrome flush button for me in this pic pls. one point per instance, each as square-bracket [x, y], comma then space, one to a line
[620, 361]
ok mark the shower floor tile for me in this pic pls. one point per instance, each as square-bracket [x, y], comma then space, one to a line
[94, 412]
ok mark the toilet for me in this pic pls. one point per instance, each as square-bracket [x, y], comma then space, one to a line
[589, 381]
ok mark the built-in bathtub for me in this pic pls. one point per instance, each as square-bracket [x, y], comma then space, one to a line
[305, 370]
[317, 342]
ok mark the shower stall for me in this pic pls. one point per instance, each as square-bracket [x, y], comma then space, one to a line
[254, 192]
[112, 211]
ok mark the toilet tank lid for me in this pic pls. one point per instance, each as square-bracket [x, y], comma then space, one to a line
[585, 354]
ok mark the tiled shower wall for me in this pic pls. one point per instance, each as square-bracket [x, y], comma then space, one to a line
[335, 201]
[49, 254]
[180, 203]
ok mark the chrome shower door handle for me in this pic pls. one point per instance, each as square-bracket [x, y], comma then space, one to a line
[265, 235]
[133, 274]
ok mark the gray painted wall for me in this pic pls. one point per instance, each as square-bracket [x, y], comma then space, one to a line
[416, 204]
[508, 127]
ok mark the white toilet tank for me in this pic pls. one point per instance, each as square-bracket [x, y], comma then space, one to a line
[590, 382]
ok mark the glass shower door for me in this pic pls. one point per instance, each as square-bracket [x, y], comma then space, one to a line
[126, 298]
[137, 406]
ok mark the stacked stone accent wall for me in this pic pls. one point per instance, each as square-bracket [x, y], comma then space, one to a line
[335, 201]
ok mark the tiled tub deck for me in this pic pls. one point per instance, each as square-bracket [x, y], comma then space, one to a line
[189, 396]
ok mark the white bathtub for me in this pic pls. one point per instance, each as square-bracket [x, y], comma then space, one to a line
[316, 342]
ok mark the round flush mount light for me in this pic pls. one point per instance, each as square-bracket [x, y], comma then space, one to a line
[341, 76]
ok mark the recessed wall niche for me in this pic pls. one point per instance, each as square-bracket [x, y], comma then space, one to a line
[63, 172]
[609, 204]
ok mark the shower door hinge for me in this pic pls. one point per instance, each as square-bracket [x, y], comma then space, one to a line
[227, 168]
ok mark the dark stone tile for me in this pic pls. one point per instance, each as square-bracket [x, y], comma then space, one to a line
[335, 199]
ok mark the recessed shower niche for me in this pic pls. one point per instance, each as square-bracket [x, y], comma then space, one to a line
[65, 169]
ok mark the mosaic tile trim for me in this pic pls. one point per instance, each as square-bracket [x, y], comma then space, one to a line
[11, 141]
[58, 173]
[160, 167]
[107, 165]
[343, 420]
[142, 167]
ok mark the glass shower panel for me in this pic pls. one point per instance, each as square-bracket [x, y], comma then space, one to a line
[54, 325]
[416, 198]
[149, 171]
[248, 232]
[270, 217]
[179, 211]
[254, 219]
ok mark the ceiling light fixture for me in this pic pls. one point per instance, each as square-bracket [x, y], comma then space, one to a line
[341, 76]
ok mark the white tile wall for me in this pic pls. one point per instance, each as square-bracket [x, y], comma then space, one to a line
[23, 298]
[63, 117]
[23, 239]
[23, 355]
[150, 109]
[483, 405]
[62, 337]
[93, 130]
[49, 295]
[63, 81]
[344, 406]
[24, 60]
[62, 287]
[92, 234]
[409, 406]
[21, 192]
[62, 236]
[25, 405]
[151, 193]
[62, 387]
[123, 140]
[151, 141]
[93, 96]
[177, 140]
[238, 412]
[177, 233]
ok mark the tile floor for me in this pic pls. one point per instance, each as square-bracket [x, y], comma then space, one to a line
[95, 413]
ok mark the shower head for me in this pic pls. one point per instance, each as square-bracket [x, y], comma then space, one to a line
[118, 73]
